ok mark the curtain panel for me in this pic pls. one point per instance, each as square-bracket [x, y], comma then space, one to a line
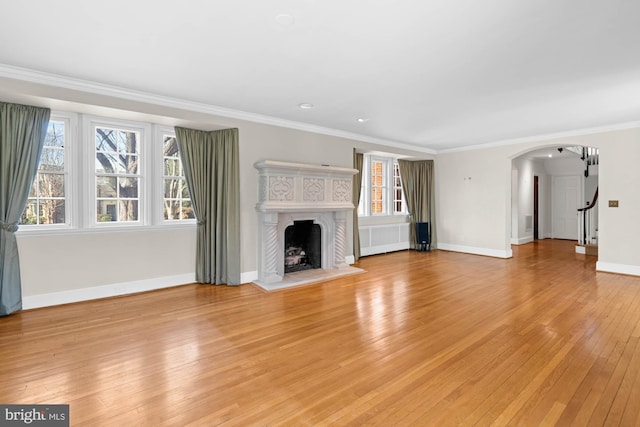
[419, 191]
[357, 187]
[23, 130]
[212, 172]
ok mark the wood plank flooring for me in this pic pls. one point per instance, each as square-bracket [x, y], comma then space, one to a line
[439, 338]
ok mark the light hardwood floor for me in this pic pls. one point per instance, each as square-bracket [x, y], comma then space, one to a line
[436, 338]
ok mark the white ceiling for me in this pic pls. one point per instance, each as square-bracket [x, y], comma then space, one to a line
[436, 74]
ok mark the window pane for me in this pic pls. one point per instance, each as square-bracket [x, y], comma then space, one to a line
[118, 179]
[128, 165]
[52, 212]
[185, 189]
[106, 186]
[116, 140]
[46, 196]
[177, 205]
[55, 134]
[128, 188]
[170, 146]
[172, 209]
[30, 213]
[172, 167]
[52, 159]
[106, 210]
[171, 188]
[128, 210]
[51, 184]
[187, 210]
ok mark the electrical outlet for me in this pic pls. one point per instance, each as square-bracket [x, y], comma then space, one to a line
[613, 203]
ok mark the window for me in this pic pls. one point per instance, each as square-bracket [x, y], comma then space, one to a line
[378, 190]
[398, 193]
[98, 172]
[381, 192]
[177, 202]
[47, 199]
[117, 174]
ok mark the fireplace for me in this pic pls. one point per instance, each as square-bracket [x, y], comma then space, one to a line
[302, 248]
[311, 198]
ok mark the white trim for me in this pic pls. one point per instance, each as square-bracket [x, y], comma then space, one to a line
[105, 291]
[39, 77]
[248, 276]
[496, 253]
[521, 240]
[611, 267]
[26, 233]
[382, 249]
[350, 259]
[306, 277]
[545, 137]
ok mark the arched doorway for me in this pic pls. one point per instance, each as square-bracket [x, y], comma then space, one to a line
[548, 187]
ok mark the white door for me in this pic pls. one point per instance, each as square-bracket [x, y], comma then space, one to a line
[566, 193]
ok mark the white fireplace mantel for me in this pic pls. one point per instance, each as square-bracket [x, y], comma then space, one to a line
[288, 187]
[289, 192]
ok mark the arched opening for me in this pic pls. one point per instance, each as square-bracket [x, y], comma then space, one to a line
[552, 195]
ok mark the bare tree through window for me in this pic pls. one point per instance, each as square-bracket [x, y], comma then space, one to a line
[177, 202]
[117, 174]
[46, 202]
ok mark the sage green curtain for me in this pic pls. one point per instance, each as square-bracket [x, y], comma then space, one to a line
[212, 171]
[357, 186]
[22, 132]
[419, 192]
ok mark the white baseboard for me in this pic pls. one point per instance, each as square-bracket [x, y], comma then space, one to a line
[610, 267]
[521, 240]
[104, 291]
[381, 249]
[350, 259]
[248, 276]
[476, 251]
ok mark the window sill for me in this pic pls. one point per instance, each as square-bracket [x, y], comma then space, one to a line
[39, 232]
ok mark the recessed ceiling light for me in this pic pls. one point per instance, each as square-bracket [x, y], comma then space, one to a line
[285, 19]
[550, 155]
[306, 106]
[362, 119]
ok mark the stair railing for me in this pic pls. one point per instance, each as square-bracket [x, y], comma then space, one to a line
[585, 220]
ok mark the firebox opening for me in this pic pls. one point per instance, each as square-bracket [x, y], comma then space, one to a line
[302, 246]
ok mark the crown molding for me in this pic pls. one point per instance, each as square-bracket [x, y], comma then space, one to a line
[545, 137]
[55, 80]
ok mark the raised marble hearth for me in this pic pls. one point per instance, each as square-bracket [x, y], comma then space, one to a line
[290, 192]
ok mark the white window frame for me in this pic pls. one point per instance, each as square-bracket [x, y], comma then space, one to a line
[70, 190]
[364, 207]
[145, 156]
[395, 188]
[80, 178]
[158, 202]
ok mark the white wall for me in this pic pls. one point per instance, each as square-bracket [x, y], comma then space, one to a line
[473, 207]
[524, 170]
[475, 215]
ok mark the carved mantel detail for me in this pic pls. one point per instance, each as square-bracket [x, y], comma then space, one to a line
[289, 192]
